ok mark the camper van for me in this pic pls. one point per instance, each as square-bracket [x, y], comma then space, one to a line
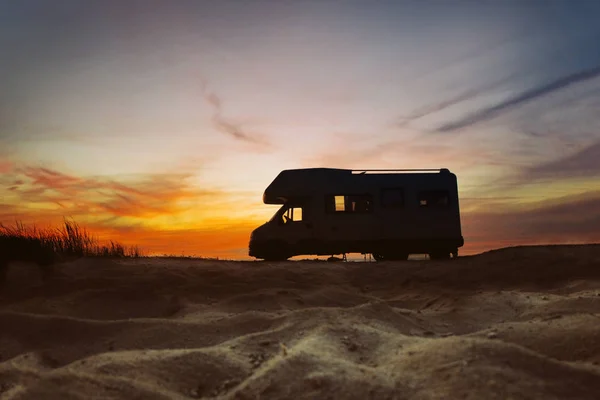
[387, 213]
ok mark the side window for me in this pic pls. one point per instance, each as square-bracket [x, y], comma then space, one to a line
[297, 214]
[354, 203]
[392, 198]
[293, 214]
[339, 203]
[434, 198]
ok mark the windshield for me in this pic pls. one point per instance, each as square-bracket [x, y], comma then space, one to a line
[277, 215]
[288, 213]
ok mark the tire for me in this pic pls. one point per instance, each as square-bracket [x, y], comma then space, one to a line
[278, 251]
[275, 258]
[439, 255]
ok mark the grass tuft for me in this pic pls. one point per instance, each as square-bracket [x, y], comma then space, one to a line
[48, 245]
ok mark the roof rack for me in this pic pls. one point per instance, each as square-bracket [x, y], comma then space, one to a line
[364, 171]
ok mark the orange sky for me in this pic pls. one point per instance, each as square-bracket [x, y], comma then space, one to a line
[167, 214]
[162, 127]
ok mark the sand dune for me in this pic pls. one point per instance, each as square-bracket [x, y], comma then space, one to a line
[517, 323]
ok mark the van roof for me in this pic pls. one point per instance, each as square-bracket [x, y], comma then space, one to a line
[301, 181]
[322, 170]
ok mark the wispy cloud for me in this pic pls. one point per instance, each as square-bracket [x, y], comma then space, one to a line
[146, 210]
[459, 98]
[56, 193]
[583, 163]
[569, 219]
[521, 99]
[225, 125]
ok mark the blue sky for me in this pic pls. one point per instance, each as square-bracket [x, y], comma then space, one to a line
[221, 96]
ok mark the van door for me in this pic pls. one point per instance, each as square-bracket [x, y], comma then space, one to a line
[396, 216]
[349, 223]
[295, 229]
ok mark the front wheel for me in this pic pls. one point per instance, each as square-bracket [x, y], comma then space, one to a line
[274, 258]
[276, 251]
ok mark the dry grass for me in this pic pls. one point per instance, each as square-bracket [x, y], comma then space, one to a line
[19, 242]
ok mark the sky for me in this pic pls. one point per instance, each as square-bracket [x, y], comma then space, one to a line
[160, 123]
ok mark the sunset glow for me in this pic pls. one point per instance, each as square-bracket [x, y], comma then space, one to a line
[161, 123]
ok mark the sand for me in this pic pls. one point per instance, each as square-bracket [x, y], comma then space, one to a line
[517, 323]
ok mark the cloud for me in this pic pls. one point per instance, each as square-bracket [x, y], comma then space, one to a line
[6, 166]
[584, 163]
[225, 125]
[50, 193]
[432, 109]
[573, 218]
[523, 98]
[459, 98]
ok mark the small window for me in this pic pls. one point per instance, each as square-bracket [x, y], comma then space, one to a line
[340, 203]
[392, 198]
[360, 203]
[297, 214]
[434, 198]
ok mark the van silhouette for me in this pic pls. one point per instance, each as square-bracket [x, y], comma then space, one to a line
[387, 213]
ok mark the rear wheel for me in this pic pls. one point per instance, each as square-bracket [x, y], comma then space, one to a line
[439, 255]
[377, 257]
